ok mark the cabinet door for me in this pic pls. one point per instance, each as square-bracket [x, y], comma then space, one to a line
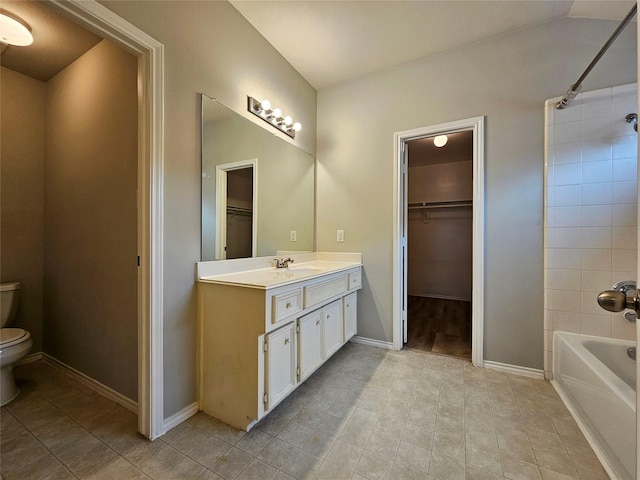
[332, 328]
[309, 343]
[350, 303]
[280, 364]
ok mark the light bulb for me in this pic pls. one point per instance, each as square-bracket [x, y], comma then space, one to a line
[297, 127]
[288, 120]
[13, 31]
[440, 141]
[266, 104]
[277, 112]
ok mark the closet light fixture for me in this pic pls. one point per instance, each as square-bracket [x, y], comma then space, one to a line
[273, 116]
[440, 141]
[14, 30]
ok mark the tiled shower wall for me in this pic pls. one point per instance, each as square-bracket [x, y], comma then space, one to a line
[590, 211]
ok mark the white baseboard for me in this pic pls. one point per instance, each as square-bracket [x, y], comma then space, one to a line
[32, 357]
[94, 385]
[372, 342]
[515, 369]
[179, 417]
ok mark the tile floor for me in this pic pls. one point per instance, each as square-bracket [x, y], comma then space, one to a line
[366, 414]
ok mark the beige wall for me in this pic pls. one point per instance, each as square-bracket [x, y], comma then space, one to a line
[209, 48]
[21, 189]
[440, 240]
[507, 79]
[90, 217]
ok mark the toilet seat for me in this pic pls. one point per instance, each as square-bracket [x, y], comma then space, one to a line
[12, 336]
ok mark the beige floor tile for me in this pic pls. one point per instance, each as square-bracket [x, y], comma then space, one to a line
[442, 467]
[383, 443]
[294, 433]
[329, 471]
[448, 445]
[185, 469]
[483, 458]
[253, 442]
[474, 473]
[36, 470]
[165, 459]
[277, 452]
[414, 456]
[231, 463]
[209, 450]
[318, 444]
[355, 434]
[374, 467]
[302, 465]
[257, 470]
[344, 455]
[516, 469]
[554, 460]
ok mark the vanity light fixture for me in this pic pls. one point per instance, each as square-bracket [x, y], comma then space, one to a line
[273, 116]
[14, 30]
[440, 141]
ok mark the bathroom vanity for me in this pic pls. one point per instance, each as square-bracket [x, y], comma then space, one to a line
[264, 331]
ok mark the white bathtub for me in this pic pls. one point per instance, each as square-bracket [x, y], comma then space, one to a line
[597, 381]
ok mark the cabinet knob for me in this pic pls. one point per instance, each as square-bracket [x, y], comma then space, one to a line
[348, 305]
[286, 341]
[288, 305]
[317, 322]
[328, 316]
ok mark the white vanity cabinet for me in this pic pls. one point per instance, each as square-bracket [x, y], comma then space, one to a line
[256, 344]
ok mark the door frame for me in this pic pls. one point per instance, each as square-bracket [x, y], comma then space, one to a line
[477, 126]
[221, 205]
[150, 54]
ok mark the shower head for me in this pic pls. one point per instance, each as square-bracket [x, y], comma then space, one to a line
[633, 118]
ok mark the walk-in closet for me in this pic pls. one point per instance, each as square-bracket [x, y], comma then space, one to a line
[440, 228]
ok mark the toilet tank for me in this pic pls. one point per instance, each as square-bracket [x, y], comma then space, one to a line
[9, 299]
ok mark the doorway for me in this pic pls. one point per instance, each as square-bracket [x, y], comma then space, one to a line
[473, 127]
[439, 243]
[236, 209]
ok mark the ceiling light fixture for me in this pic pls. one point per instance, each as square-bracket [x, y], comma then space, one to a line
[440, 141]
[273, 116]
[14, 30]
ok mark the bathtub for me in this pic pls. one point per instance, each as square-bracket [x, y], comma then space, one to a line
[596, 379]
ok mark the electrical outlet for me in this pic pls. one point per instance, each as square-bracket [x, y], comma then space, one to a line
[340, 236]
[293, 235]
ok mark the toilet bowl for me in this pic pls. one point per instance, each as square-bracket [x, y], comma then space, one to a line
[15, 343]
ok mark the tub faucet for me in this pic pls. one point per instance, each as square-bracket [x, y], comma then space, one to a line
[632, 353]
[283, 263]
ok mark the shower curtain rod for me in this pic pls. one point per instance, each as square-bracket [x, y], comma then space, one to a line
[575, 88]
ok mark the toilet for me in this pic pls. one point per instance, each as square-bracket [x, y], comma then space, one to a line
[15, 343]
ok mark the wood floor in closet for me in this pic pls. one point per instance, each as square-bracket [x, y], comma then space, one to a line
[439, 326]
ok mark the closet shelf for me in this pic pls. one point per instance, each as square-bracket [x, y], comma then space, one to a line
[429, 205]
[239, 210]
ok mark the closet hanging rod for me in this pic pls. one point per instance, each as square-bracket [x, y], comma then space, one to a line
[428, 205]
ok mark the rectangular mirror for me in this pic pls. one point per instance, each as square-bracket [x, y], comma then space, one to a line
[258, 190]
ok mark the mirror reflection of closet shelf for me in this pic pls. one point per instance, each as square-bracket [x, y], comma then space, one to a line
[429, 205]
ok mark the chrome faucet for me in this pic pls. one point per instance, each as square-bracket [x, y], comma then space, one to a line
[283, 263]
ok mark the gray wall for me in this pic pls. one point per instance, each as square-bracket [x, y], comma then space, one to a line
[209, 48]
[507, 79]
[90, 217]
[22, 192]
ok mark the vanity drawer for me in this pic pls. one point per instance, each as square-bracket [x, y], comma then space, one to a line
[318, 292]
[355, 279]
[286, 304]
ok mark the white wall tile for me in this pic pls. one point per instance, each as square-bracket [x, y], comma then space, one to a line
[548, 299]
[567, 153]
[623, 329]
[624, 260]
[596, 237]
[567, 280]
[568, 258]
[568, 195]
[624, 237]
[625, 169]
[590, 304]
[573, 114]
[624, 147]
[598, 325]
[595, 281]
[620, 127]
[549, 278]
[550, 197]
[567, 321]
[596, 216]
[567, 301]
[596, 128]
[625, 192]
[596, 150]
[596, 106]
[567, 216]
[596, 259]
[568, 174]
[624, 215]
[597, 172]
[564, 237]
[597, 194]
[567, 132]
